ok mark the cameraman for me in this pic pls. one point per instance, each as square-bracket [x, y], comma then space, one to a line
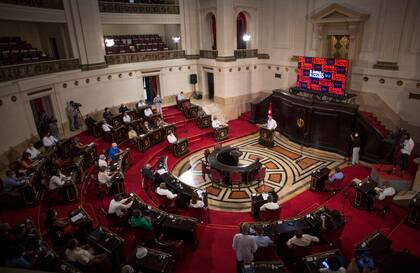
[72, 111]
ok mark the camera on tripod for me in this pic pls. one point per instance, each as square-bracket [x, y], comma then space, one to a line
[75, 104]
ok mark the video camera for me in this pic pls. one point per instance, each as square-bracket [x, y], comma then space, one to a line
[75, 104]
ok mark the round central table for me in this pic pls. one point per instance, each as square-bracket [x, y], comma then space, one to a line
[226, 161]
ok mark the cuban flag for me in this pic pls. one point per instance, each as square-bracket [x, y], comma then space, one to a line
[270, 111]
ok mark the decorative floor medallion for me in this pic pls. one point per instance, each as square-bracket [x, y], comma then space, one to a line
[289, 167]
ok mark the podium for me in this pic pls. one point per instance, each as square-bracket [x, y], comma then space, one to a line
[362, 189]
[119, 134]
[180, 148]
[204, 122]
[318, 179]
[191, 111]
[221, 133]
[266, 137]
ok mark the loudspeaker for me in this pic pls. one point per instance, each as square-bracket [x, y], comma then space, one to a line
[193, 78]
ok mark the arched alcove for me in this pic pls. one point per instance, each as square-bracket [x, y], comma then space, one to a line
[209, 29]
[241, 29]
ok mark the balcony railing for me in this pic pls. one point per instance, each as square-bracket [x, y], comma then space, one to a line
[144, 56]
[246, 53]
[49, 4]
[137, 8]
[208, 54]
[18, 71]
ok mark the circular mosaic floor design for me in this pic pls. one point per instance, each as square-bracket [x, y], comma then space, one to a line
[289, 167]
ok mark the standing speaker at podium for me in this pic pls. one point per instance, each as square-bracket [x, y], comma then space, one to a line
[271, 123]
[267, 131]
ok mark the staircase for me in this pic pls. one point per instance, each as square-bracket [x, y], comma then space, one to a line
[211, 108]
[373, 120]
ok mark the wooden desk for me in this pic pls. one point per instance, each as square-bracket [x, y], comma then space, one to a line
[82, 224]
[116, 120]
[413, 216]
[157, 216]
[312, 263]
[143, 142]
[266, 137]
[168, 127]
[156, 136]
[181, 228]
[70, 192]
[110, 243]
[377, 243]
[124, 160]
[181, 147]
[154, 262]
[119, 134]
[191, 112]
[118, 186]
[221, 133]
[264, 267]
[90, 154]
[31, 191]
[318, 178]
[362, 189]
[204, 122]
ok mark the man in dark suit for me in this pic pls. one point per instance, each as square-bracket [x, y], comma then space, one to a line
[148, 172]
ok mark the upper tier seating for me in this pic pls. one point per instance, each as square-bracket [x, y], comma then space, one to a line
[135, 43]
[15, 51]
[155, 2]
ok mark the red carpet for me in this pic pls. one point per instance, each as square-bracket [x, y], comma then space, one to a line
[214, 252]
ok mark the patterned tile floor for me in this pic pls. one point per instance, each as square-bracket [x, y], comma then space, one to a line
[289, 167]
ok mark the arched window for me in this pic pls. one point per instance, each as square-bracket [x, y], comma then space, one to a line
[241, 29]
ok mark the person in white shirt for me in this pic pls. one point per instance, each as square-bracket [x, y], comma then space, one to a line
[271, 123]
[84, 255]
[141, 104]
[49, 141]
[106, 127]
[180, 96]
[334, 265]
[245, 246]
[216, 123]
[385, 191]
[57, 180]
[301, 239]
[105, 178]
[158, 103]
[163, 191]
[126, 118]
[270, 205]
[171, 137]
[118, 204]
[102, 161]
[148, 112]
[147, 126]
[406, 149]
[196, 202]
[34, 152]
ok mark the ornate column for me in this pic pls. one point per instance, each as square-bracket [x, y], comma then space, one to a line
[85, 30]
[226, 30]
[322, 40]
[353, 30]
[189, 28]
[391, 34]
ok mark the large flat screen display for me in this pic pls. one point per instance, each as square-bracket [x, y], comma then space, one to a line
[322, 75]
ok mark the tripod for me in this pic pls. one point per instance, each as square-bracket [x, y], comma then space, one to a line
[345, 197]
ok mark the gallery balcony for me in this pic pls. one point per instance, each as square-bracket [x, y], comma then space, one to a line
[168, 7]
[144, 56]
[208, 54]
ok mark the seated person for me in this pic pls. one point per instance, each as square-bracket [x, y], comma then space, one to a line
[159, 122]
[385, 191]
[102, 161]
[196, 201]
[107, 114]
[334, 265]
[26, 162]
[34, 152]
[16, 258]
[57, 180]
[114, 152]
[148, 112]
[49, 140]
[54, 224]
[132, 134]
[78, 146]
[119, 204]
[302, 240]
[148, 173]
[106, 127]
[141, 104]
[147, 127]
[123, 108]
[216, 123]
[180, 96]
[260, 239]
[200, 112]
[171, 137]
[126, 118]
[104, 178]
[139, 221]
[11, 182]
[163, 191]
[271, 123]
[270, 205]
[85, 256]
[338, 175]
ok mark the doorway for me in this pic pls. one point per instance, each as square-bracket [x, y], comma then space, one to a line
[43, 113]
[54, 49]
[210, 85]
[151, 88]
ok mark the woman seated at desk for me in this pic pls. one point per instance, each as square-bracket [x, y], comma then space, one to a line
[53, 224]
[171, 137]
[104, 178]
[138, 220]
[85, 256]
[26, 163]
